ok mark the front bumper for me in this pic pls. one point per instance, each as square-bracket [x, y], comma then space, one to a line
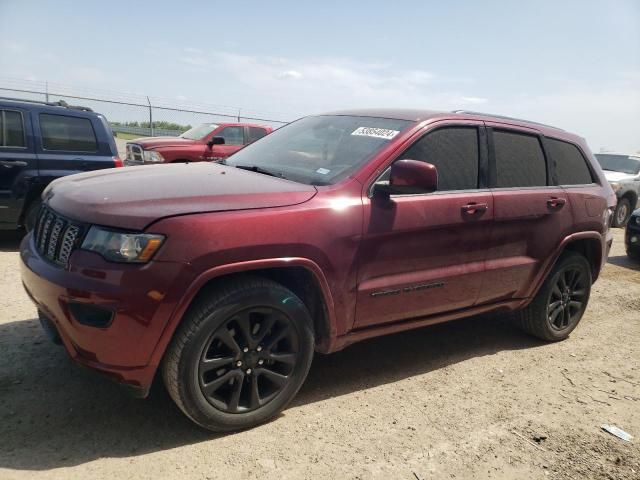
[142, 299]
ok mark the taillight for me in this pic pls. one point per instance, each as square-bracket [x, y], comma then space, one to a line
[117, 162]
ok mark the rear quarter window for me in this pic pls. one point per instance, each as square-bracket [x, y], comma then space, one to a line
[571, 166]
[519, 160]
[65, 133]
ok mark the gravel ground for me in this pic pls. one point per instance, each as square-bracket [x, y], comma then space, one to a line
[466, 399]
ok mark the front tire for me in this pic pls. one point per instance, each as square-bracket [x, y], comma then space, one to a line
[240, 355]
[622, 213]
[561, 301]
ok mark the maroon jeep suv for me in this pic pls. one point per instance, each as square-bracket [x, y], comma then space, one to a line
[225, 278]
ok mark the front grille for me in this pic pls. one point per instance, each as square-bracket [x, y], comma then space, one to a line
[56, 237]
[134, 153]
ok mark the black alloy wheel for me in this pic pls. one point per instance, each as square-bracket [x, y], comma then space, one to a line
[248, 360]
[567, 300]
[240, 354]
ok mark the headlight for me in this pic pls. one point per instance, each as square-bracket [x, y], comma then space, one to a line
[615, 186]
[637, 219]
[127, 247]
[152, 157]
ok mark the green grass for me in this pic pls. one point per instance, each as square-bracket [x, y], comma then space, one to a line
[127, 136]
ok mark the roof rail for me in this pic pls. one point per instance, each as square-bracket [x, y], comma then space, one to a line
[59, 103]
[504, 117]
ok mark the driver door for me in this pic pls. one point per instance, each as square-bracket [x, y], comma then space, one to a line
[423, 254]
[233, 141]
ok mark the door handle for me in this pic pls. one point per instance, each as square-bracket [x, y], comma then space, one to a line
[473, 208]
[556, 203]
[13, 163]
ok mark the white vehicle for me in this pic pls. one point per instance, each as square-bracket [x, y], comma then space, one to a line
[623, 173]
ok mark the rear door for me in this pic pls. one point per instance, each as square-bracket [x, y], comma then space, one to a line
[18, 164]
[71, 142]
[532, 215]
[423, 254]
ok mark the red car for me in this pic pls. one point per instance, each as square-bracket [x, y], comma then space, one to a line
[333, 229]
[211, 142]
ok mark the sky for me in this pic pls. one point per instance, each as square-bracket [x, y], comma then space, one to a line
[573, 64]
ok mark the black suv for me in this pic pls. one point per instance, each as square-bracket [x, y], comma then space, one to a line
[40, 142]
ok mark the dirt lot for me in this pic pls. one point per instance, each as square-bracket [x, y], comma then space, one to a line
[461, 400]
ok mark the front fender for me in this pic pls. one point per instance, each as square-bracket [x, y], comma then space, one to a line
[244, 267]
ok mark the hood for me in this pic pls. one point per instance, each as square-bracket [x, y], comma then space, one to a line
[612, 176]
[134, 197]
[156, 142]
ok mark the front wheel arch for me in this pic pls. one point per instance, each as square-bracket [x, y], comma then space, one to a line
[324, 325]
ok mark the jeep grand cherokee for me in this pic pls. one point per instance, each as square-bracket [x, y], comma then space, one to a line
[333, 229]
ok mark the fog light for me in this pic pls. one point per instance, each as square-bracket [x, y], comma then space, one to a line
[633, 239]
[91, 315]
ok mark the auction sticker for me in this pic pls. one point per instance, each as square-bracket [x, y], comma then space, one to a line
[375, 132]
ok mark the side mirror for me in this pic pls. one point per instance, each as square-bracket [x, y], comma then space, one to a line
[215, 141]
[409, 176]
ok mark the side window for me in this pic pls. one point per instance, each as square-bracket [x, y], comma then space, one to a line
[232, 135]
[454, 152]
[256, 133]
[571, 166]
[519, 160]
[11, 129]
[72, 134]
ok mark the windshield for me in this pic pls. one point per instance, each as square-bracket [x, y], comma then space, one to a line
[199, 132]
[320, 150]
[619, 163]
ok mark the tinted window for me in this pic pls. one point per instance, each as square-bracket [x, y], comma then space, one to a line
[454, 152]
[232, 135]
[11, 129]
[255, 133]
[519, 160]
[73, 134]
[571, 167]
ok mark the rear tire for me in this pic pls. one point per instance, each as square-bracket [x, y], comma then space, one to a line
[240, 355]
[622, 213]
[561, 301]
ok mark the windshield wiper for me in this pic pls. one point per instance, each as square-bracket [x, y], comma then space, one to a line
[257, 169]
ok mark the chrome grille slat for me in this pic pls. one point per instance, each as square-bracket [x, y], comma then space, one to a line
[56, 237]
[68, 241]
[44, 234]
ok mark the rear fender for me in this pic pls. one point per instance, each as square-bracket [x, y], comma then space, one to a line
[546, 268]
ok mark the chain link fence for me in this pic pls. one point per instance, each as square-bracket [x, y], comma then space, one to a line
[133, 115]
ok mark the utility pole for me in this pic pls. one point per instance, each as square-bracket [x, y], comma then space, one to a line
[150, 116]
[46, 91]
